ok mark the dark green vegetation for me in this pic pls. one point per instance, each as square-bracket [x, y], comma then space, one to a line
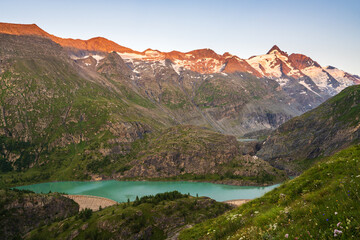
[315, 205]
[22, 211]
[85, 214]
[332, 126]
[150, 217]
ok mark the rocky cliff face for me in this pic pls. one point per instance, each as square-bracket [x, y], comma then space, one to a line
[329, 128]
[189, 152]
[184, 149]
[22, 211]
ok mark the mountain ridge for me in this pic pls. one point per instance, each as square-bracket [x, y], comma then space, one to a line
[213, 63]
[90, 44]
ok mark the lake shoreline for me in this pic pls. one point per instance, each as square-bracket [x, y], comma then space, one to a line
[220, 182]
[121, 191]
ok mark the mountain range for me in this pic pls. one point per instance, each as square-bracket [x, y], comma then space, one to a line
[296, 74]
[93, 108]
[301, 83]
[276, 64]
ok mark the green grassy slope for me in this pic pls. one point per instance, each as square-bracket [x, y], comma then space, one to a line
[332, 126]
[153, 217]
[315, 205]
[52, 112]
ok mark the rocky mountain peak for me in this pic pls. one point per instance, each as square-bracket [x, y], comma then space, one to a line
[330, 67]
[274, 49]
[205, 52]
[301, 61]
[153, 53]
[235, 64]
[227, 55]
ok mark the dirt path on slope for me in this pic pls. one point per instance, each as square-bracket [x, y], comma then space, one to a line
[237, 202]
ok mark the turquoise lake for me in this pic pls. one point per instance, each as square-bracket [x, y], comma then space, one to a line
[120, 191]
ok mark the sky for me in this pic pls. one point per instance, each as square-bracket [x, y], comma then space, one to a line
[327, 31]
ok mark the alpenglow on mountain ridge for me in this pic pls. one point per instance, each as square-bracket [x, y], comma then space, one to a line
[276, 64]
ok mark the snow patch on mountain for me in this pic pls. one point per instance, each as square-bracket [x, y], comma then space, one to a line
[269, 65]
[206, 65]
[308, 87]
[265, 64]
[340, 76]
[318, 75]
[282, 81]
[153, 54]
[177, 68]
[163, 63]
[130, 55]
[321, 78]
[73, 57]
[98, 58]
[95, 56]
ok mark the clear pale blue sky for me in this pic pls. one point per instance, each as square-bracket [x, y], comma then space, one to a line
[328, 31]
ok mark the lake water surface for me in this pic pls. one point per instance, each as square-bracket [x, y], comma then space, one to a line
[122, 190]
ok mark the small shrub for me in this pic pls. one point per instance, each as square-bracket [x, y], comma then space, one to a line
[85, 214]
[65, 226]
